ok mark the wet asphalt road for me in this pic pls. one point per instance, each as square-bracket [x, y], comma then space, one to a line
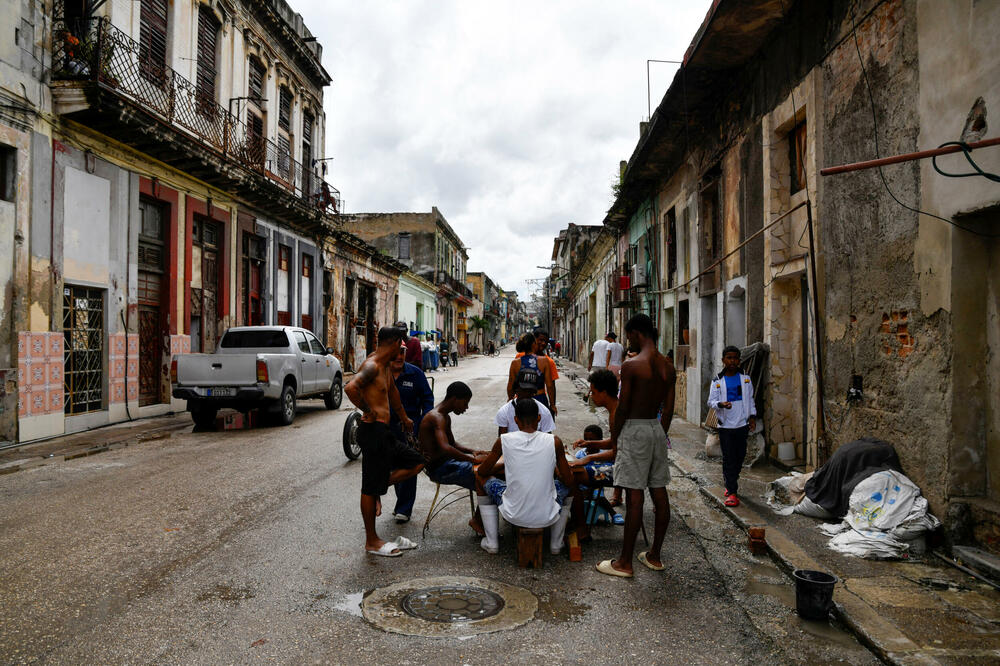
[246, 547]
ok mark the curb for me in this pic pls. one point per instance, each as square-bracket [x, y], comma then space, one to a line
[883, 638]
[131, 440]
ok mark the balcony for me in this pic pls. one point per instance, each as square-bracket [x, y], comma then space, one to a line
[102, 78]
[455, 285]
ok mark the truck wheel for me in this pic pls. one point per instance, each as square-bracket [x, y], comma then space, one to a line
[335, 395]
[204, 417]
[351, 447]
[286, 405]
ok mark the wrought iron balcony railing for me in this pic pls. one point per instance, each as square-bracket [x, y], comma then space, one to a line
[95, 50]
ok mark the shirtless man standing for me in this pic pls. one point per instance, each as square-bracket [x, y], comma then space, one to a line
[640, 443]
[386, 461]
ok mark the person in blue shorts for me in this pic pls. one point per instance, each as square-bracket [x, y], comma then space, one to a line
[448, 462]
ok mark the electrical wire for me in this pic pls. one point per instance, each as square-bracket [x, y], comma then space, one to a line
[971, 174]
[881, 173]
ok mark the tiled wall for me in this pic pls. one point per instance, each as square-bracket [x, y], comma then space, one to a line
[123, 367]
[180, 344]
[39, 373]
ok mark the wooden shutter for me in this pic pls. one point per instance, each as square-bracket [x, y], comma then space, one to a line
[284, 109]
[153, 39]
[256, 81]
[307, 127]
[208, 31]
[255, 138]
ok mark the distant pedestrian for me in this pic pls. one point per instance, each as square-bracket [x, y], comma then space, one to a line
[598, 354]
[731, 396]
[454, 352]
[443, 350]
[616, 354]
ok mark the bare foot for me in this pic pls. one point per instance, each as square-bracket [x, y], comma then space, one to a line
[477, 527]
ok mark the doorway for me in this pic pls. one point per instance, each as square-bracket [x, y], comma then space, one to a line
[206, 238]
[152, 311]
[253, 278]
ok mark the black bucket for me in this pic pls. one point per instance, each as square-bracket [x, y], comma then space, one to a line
[813, 593]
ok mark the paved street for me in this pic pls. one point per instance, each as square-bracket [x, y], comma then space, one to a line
[246, 546]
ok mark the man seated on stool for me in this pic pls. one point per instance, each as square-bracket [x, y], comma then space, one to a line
[525, 386]
[530, 497]
[449, 463]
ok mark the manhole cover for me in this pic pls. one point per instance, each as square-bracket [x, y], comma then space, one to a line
[452, 603]
[449, 607]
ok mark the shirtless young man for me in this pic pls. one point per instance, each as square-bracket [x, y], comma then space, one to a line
[386, 461]
[640, 443]
[448, 462]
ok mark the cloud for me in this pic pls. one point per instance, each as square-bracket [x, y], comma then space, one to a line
[511, 117]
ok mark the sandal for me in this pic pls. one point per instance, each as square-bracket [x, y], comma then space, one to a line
[605, 567]
[388, 549]
[732, 500]
[405, 544]
[618, 519]
[645, 560]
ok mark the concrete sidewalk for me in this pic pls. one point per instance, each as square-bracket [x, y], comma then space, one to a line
[90, 442]
[916, 611]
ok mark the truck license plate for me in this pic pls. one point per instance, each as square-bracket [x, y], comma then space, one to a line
[223, 392]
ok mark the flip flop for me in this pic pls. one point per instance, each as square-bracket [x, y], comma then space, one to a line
[405, 544]
[606, 568]
[386, 550]
[618, 519]
[645, 560]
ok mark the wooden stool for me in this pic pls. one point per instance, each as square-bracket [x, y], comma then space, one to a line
[529, 547]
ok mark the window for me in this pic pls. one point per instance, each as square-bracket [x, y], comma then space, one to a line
[153, 40]
[404, 246]
[284, 108]
[796, 157]
[83, 328]
[8, 172]
[307, 265]
[300, 339]
[208, 32]
[254, 339]
[315, 345]
[256, 81]
[284, 257]
[282, 290]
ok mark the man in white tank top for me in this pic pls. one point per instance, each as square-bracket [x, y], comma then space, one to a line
[530, 496]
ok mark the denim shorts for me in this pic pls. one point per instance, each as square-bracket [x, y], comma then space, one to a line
[495, 488]
[453, 473]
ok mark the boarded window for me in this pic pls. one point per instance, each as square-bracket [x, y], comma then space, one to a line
[153, 40]
[255, 139]
[307, 127]
[404, 246]
[284, 109]
[284, 156]
[796, 157]
[256, 81]
[208, 32]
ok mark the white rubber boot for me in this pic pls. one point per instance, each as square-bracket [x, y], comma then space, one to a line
[491, 525]
[558, 530]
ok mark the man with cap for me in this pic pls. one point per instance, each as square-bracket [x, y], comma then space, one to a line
[525, 386]
[616, 354]
[414, 353]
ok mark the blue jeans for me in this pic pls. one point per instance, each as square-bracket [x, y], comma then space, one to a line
[406, 496]
[495, 488]
[453, 473]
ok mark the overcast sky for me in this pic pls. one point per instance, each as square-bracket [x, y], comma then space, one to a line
[510, 117]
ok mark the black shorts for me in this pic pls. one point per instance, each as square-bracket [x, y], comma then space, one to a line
[381, 453]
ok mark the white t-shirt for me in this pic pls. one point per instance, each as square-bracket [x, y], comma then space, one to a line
[600, 350]
[617, 353]
[505, 418]
[529, 460]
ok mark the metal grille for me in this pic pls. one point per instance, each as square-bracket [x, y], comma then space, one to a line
[452, 603]
[83, 327]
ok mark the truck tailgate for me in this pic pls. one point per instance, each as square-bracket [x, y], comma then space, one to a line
[216, 369]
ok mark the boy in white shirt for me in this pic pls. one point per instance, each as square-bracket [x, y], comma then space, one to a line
[731, 396]
[530, 496]
[525, 386]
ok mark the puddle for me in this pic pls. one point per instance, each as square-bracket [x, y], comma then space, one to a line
[783, 593]
[766, 572]
[825, 631]
[351, 603]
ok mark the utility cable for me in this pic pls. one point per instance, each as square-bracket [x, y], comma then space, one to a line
[977, 171]
[881, 173]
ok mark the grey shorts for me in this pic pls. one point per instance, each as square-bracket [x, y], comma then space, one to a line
[642, 460]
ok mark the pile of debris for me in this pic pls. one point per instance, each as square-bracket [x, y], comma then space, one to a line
[882, 513]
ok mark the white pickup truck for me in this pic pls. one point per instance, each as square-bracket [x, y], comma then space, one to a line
[258, 366]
